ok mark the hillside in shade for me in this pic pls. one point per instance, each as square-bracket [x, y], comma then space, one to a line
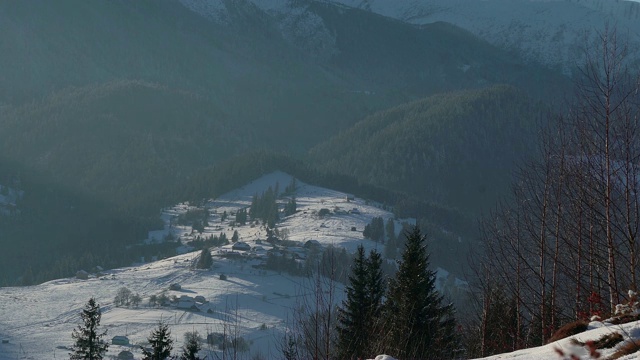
[457, 148]
[118, 107]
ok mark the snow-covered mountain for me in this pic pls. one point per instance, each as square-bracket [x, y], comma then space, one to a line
[550, 32]
[253, 302]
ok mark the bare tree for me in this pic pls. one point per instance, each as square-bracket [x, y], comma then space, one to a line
[567, 238]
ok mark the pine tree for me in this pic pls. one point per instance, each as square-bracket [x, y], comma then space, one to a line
[88, 341]
[235, 236]
[291, 207]
[241, 217]
[390, 229]
[361, 309]
[205, 260]
[191, 347]
[376, 287]
[419, 325]
[161, 343]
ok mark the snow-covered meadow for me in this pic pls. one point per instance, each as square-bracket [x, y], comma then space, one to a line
[36, 322]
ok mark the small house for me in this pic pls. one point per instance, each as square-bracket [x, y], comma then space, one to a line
[120, 340]
[186, 302]
[82, 275]
[175, 287]
[349, 198]
[125, 355]
[312, 244]
[241, 246]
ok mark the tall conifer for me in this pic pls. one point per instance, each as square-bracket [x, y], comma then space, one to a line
[88, 341]
[359, 314]
[161, 343]
[419, 325]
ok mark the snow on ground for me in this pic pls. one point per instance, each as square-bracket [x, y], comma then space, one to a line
[332, 229]
[597, 329]
[36, 322]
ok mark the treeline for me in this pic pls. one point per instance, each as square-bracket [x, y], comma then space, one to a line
[57, 232]
[265, 208]
[64, 223]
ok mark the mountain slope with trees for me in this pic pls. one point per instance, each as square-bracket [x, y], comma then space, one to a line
[113, 110]
[456, 148]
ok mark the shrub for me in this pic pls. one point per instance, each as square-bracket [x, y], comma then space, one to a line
[630, 347]
[606, 341]
[569, 329]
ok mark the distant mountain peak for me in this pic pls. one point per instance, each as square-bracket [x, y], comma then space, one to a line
[548, 32]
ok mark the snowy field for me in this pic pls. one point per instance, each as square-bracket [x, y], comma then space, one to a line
[332, 229]
[36, 322]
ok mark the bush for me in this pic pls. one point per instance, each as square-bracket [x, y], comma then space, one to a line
[631, 347]
[606, 341]
[569, 329]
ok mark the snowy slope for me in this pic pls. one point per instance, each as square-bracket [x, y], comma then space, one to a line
[36, 321]
[305, 224]
[597, 329]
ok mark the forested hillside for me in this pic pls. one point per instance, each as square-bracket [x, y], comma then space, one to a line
[457, 148]
[125, 107]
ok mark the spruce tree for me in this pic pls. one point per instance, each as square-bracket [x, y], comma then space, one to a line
[205, 260]
[161, 343]
[376, 286]
[360, 311]
[390, 229]
[191, 347]
[419, 325]
[88, 341]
